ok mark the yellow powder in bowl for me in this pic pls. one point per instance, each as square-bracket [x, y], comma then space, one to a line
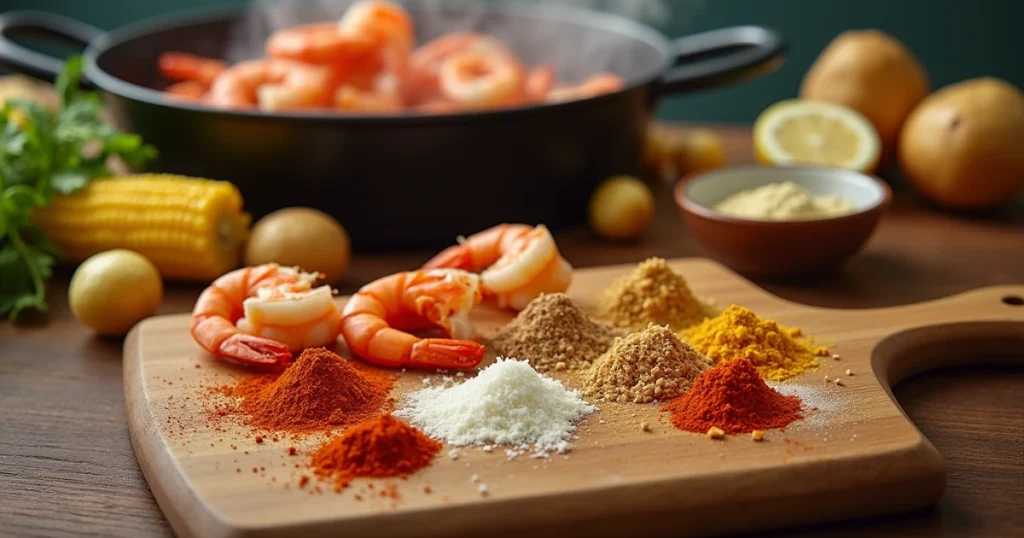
[776, 351]
[652, 293]
[782, 201]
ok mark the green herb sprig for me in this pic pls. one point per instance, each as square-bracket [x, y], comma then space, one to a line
[42, 153]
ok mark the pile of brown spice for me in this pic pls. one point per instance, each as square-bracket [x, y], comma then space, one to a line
[653, 364]
[553, 333]
[317, 392]
[380, 448]
[652, 293]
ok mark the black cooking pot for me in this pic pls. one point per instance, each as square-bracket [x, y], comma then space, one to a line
[406, 180]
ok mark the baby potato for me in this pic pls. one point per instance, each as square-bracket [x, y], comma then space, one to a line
[622, 207]
[112, 291]
[303, 237]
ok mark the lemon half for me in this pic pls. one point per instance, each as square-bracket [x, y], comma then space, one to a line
[796, 132]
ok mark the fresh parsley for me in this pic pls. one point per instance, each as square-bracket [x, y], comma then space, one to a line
[42, 153]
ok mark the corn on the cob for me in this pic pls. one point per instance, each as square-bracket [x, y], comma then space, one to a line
[190, 228]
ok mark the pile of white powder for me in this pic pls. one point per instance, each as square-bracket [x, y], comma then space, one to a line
[507, 403]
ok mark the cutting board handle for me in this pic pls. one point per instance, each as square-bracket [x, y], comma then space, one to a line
[984, 326]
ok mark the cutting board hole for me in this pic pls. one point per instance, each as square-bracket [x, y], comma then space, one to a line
[1014, 300]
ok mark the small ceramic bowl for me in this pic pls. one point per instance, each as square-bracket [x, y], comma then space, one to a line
[782, 248]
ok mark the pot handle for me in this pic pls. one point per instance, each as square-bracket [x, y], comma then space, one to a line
[722, 57]
[47, 25]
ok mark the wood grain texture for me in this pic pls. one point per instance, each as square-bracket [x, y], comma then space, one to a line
[67, 467]
[856, 455]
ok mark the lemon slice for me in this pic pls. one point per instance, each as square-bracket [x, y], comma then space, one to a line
[794, 132]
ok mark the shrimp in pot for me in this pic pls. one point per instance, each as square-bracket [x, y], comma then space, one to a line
[259, 315]
[481, 79]
[187, 90]
[593, 86]
[375, 319]
[181, 66]
[425, 62]
[509, 257]
[352, 99]
[320, 43]
[273, 85]
[539, 82]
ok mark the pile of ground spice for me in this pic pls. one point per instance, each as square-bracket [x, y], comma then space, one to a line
[652, 293]
[379, 448]
[737, 332]
[553, 333]
[732, 397]
[317, 392]
[653, 364]
[507, 403]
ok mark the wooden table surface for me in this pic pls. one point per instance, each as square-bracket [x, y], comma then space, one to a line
[67, 466]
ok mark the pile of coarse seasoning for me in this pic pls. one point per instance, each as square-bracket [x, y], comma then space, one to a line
[652, 293]
[507, 403]
[653, 364]
[553, 333]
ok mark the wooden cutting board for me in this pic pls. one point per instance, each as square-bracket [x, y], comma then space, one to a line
[858, 455]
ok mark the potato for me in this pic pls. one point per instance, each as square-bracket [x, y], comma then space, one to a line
[300, 236]
[112, 291]
[621, 207]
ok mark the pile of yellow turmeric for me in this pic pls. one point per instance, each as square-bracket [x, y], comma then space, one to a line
[776, 351]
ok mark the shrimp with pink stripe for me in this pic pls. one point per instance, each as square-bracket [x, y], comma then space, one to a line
[260, 315]
[516, 263]
[375, 320]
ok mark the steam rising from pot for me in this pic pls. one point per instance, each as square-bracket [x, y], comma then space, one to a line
[543, 35]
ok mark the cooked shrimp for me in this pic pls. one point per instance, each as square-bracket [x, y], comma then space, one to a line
[554, 278]
[352, 99]
[384, 22]
[425, 62]
[182, 66]
[539, 82]
[259, 315]
[508, 256]
[375, 318]
[188, 90]
[481, 79]
[272, 85]
[593, 86]
[321, 43]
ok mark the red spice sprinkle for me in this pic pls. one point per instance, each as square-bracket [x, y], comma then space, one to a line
[370, 485]
[259, 439]
[303, 480]
[274, 438]
[238, 470]
[732, 396]
[291, 451]
[358, 497]
[426, 489]
[255, 470]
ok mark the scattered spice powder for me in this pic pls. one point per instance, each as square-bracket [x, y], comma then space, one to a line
[380, 448]
[553, 333]
[652, 293]
[319, 391]
[732, 397]
[653, 364]
[738, 332]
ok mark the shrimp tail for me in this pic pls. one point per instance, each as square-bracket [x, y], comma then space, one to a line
[446, 353]
[255, 350]
[453, 257]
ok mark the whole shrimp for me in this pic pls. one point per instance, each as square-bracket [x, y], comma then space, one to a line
[595, 85]
[482, 79]
[375, 318]
[274, 84]
[259, 315]
[422, 82]
[517, 262]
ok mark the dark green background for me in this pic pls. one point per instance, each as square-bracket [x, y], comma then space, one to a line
[954, 39]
